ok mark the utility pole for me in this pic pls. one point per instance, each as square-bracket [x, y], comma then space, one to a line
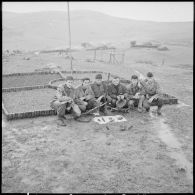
[69, 38]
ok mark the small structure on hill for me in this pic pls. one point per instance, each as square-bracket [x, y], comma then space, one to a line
[163, 48]
[87, 45]
[144, 45]
[107, 54]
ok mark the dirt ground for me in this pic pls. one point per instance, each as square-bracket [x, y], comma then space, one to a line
[154, 154]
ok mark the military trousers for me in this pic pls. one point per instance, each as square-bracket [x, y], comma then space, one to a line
[63, 108]
[90, 104]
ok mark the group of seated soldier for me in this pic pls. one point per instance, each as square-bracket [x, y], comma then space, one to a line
[140, 93]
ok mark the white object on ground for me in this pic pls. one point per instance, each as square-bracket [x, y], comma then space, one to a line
[3, 124]
[106, 119]
[96, 114]
[181, 104]
[45, 128]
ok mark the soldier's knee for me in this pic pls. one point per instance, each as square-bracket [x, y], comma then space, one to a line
[131, 103]
[146, 104]
[76, 110]
[142, 98]
[113, 102]
[109, 99]
[91, 104]
[82, 108]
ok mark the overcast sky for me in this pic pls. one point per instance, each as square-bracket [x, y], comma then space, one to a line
[154, 11]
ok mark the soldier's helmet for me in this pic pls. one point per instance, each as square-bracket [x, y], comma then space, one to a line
[69, 78]
[98, 76]
[149, 74]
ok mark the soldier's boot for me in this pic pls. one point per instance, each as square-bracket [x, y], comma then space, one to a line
[131, 105]
[61, 110]
[140, 108]
[61, 121]
[147, 109]
[160, 104]
[76, 111]
[159, 110]
[146, 105]
[104, 110]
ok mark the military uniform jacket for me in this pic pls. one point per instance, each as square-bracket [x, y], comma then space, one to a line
[132, 90]
[79, 92]
[98, 90]
[63, 92]
[114, 91]
[150, 87]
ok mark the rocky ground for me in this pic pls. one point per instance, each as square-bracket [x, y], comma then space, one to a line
[146, 154]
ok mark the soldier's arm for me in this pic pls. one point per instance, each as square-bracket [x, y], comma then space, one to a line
[60, 96]
[142, 91]
[113, 96]
[129, 92]
[125, 92]
[77, 95]
[90, 94]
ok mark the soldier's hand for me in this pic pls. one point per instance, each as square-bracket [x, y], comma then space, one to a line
[155, 96]
[122, 97]
[136, 95]
[152, 98]
[70, 100]
[99, 99]
[118, 97]
[85, 103]
[82, 98]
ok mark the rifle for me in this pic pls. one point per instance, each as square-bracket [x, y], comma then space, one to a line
[107, 84]
[89, 111]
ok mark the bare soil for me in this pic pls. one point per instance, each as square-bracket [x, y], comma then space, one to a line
[29, 100]
[28, 80]
[152, 154]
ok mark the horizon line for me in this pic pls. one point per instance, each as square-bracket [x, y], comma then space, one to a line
[96, 12]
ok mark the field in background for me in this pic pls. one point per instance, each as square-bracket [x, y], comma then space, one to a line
[48, 30]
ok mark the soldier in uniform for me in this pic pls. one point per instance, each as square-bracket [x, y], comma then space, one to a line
[151, 91]
[133, 90]
[63, 101]
[99, 89]
[85, 97]
[116, 92]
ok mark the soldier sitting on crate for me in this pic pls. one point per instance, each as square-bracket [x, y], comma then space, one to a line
[133, 90]
[151, 91]
[64, 103]
[85, 97]
[117, 93]
[99, 89]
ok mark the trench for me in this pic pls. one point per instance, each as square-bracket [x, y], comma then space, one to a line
[165, 133]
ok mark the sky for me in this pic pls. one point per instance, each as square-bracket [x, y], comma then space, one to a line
[150, 11]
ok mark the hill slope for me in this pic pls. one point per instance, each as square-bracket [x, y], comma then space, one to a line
[43, 30]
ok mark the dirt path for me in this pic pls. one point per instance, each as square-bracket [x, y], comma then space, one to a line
[39, 156]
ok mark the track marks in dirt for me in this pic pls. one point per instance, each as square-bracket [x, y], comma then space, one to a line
[74, 159]
[173, 146]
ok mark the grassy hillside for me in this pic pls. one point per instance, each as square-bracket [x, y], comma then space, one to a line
[44, 30]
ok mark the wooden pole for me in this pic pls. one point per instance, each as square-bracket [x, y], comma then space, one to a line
[69, 38]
